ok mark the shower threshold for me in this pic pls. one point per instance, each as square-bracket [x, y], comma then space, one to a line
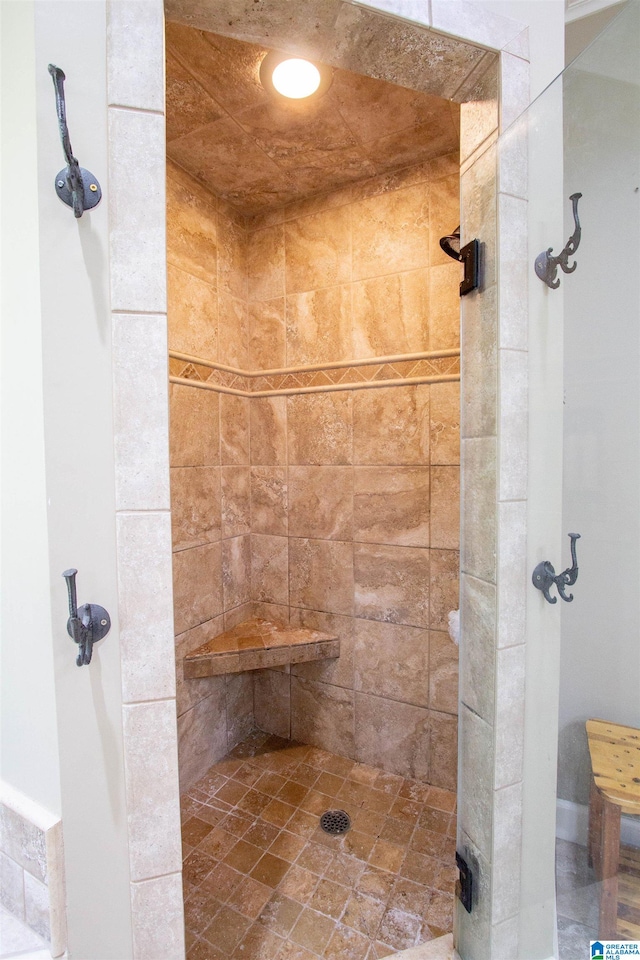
[263, 881]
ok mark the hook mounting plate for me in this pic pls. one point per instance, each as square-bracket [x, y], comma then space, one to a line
[95, 617]
[92, 191]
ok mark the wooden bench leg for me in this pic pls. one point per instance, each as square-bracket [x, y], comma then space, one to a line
[610, 851]
[595, 830]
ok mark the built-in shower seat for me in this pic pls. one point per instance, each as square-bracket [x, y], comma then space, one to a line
[255, 644]
[615, 789]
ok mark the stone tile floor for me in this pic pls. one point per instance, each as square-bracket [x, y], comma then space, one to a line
[262, 881]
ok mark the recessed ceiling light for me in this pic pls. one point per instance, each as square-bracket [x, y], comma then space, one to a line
[293, 77]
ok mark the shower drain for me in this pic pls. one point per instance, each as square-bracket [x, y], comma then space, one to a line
[335, 822]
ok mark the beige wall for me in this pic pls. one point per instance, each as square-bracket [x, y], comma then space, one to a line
[357, 273]
[206, 250]
[338, 509]
[370, 477]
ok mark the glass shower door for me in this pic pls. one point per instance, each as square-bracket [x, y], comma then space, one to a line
[598, 884]
[585, 352]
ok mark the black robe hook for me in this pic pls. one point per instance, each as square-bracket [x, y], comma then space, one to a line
[546, 266]
[74, 185]
[544, 575]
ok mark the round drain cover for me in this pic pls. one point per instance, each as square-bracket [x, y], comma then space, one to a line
[335, 821]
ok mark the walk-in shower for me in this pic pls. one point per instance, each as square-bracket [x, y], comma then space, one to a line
[314, 358]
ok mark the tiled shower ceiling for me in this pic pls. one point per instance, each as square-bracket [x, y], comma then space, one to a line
[257, 153]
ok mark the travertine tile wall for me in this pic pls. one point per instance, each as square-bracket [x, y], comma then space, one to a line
[356, 273]
[337, 510]
[207, 317]
[355, 493]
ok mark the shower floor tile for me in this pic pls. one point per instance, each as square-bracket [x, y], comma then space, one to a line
[263, 881]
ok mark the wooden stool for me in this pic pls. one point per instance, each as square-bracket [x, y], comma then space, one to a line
[615, 789]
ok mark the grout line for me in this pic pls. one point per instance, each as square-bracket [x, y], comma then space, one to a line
[159, 876]
[490, 583]
[489, 141]
[137, 703]
[160, 314]
[514, 196]
[475, 713]
[129, 109]
[128, 512]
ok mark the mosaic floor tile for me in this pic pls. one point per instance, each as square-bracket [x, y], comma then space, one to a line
[263, 881]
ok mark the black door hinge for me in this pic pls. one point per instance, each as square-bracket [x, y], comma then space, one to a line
[464, 886]
[470, 257]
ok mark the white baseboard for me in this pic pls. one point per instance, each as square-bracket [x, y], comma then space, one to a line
[572, 823]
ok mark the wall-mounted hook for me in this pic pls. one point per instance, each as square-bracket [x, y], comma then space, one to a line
[546, 266]
[85, 625]
[544, 575]
[74, 185]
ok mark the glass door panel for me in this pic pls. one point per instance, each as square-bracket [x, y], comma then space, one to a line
[598, 885]
[583, 661]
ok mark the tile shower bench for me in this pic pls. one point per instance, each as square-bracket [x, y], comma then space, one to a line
[258, 643]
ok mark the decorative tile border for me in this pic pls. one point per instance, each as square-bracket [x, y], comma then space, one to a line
[434, 367]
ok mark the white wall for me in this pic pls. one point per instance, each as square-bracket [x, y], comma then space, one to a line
[582, 31]
[600, 650]
[29, 755]
[78, 433]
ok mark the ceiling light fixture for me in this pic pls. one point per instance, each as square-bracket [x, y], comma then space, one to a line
[296, 79]
[293, 77]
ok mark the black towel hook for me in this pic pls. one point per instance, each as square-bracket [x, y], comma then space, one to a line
[544, 575]
[546, 266]
[74, 185]
[86, 624]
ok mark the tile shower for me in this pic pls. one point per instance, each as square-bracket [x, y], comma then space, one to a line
[322, 503]
[335, 510]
